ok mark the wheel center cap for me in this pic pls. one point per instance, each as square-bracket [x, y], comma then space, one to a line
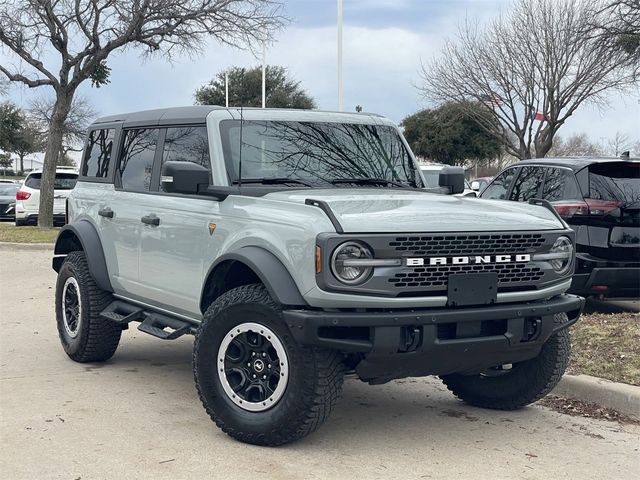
[258, 366]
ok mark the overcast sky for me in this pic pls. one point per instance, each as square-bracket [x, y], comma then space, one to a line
[384, 44]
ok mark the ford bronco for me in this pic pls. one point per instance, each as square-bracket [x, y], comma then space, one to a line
[298, 246]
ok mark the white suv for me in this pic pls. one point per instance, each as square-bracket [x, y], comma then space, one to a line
[28, 197]
[298, 246]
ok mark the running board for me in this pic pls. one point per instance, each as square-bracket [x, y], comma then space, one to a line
[153, 323]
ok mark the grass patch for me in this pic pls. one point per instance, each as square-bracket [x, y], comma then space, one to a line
[11, 233]
[607, 346]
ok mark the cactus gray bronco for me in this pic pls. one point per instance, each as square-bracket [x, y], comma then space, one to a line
[300, 246]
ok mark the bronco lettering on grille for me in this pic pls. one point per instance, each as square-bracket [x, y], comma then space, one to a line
[476, 259]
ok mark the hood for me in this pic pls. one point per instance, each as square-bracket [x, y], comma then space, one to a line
[376, 210]
[7, 198]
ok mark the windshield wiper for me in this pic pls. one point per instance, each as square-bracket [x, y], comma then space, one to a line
[275, 181]
[368, 181]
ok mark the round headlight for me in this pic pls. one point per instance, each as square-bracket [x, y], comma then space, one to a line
[345, 263]
[563, 250]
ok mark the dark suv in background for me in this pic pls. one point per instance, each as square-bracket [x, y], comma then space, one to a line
[600, 199]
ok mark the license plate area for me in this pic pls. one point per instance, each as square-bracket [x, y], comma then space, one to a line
[466, 289]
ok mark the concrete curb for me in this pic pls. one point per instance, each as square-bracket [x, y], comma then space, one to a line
[25, 246]
[617, 396]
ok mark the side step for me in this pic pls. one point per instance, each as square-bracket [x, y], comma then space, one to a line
[153, 323]
[122, 312]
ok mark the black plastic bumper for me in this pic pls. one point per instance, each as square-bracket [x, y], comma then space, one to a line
[609, 281]
[403, 343]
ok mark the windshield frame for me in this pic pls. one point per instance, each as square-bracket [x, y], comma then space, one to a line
[224, 126]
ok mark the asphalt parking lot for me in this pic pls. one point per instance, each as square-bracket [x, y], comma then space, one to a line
[138, 416]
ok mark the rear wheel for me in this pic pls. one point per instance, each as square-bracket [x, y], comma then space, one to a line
[510, 387]
[255, 381]
[85, 336]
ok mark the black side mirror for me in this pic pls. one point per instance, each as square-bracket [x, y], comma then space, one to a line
[452, 178]
[184, 177]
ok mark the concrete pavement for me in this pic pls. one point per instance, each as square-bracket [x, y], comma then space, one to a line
[138, 416]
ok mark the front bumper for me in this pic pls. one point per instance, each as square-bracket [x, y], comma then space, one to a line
[420, 342]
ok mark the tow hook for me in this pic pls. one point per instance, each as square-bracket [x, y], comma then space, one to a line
[411, 339]
[532, 329]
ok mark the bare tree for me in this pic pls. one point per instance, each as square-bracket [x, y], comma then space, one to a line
[532, 67]
[76, 37]
[619, 143]
[616, 25]
[81, 114]
[577, 145]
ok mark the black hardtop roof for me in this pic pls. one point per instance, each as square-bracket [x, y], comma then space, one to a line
[575, 163]
[188, 115]
[192, 114]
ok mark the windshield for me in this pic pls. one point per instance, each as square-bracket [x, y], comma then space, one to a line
[615, 181]
[317, 153]
[63, 181]
[8, 189]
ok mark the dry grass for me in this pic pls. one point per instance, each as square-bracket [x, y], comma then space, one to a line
[607, 346]
[11, 233]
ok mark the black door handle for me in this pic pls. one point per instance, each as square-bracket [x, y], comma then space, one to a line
[150, 220]
[105, 212]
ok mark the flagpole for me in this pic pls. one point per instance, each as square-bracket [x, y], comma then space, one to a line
[226, 88]
[264, 80]
[340, 91]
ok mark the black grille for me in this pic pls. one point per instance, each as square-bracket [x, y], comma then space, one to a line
[509, 274]
[446, 245]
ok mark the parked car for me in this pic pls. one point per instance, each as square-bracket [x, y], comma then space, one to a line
[431, 175]
[28, 196]
[292, 266]
[8, 200]
[480, 183]
[5, 180]
[600, 199]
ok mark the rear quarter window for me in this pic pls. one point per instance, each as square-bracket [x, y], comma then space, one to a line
[97, 154]
[560, 184]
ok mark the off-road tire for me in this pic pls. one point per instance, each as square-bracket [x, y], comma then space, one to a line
[97, 338]
[525, 383]
[314, 382]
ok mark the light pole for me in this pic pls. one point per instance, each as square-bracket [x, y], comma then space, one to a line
[340, 93]
[264, 79]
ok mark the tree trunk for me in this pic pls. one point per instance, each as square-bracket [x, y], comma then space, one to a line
[21, 164]
[54, 145]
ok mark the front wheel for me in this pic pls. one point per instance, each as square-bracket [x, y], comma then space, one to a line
[520, 384]
[255, 381]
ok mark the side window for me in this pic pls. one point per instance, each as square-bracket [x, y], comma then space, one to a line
[187, 144]
[560, 184]
[498, 189]
[136, 159]
[528, 184]
[97, 155]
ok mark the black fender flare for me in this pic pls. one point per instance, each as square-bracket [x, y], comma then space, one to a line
[269, 269]
[90, 242]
